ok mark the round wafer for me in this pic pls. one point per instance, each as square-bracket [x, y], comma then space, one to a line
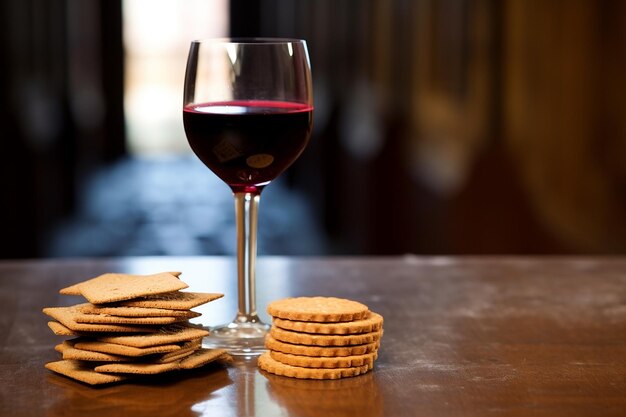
[268, 364]
[324, 362]
[322, 339]
[317, 309]
[371, 323]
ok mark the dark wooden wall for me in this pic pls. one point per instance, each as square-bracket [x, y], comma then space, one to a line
[441, 126]
[464, 126]
[61, 111]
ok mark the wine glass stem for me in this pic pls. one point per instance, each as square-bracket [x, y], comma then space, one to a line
[246, 211]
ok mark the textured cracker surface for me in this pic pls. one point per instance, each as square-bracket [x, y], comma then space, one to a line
[71, 290]
[186, 348]
[372, 322]
[75, 288]
[117, 349]
[124, 311]
[67, 317]
[268, 364]
[85, 355]
[108, 288]
[179, 300]
[201, 357]
[137, 368]
[59, 329]
[174, 356]
[318, 309]
[169, 334]
[325, 351]
[107, 319]
[324, 340]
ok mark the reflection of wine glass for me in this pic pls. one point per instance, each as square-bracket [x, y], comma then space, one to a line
[247, 113]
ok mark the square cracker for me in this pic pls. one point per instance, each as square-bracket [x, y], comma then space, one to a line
[59, 329]
[107, 319]
[117, 349]
[71, 290]
[178, 300]
[80, 372]
[67, 317]
[137, 368]
[192, 360]
[174, 356]
[201, 358]
[68, 351]
[75, 288]
[186, 349]
[173, 333]
[109, 288]
[124, 311]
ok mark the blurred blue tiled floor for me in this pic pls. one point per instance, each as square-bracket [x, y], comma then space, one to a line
[177, 207]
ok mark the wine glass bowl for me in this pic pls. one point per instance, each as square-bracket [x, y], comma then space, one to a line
[247, 113]
[248, 143]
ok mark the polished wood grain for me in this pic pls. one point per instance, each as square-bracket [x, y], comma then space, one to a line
[463, 337]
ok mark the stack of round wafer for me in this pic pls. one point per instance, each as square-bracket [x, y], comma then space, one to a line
[321, 338]
[131, 324]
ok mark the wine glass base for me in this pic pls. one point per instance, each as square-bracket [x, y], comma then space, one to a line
[246, 339]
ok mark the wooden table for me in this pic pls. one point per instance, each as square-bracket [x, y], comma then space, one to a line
[463, 337]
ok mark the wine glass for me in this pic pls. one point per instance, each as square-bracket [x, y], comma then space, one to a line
[248, 113]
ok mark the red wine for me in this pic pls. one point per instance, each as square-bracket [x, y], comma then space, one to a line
[248, 143]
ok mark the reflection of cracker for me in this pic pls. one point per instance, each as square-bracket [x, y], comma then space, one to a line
[321, 388]
[325, 351]
[80, 372]
[328, 397]
[373, 322]
[225, 151]
[272, 366]
[319, 309]
[324, 340]
[325, 362]
[261, 160]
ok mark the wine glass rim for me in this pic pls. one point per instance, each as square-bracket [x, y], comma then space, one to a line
[249, 40]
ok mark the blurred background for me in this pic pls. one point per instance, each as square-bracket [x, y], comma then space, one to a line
[441, 127]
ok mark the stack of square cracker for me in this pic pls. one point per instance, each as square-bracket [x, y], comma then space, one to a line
[131, 324]
[321, 338]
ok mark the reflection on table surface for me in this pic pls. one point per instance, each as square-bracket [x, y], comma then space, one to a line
[175, 394]
[219, 390]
